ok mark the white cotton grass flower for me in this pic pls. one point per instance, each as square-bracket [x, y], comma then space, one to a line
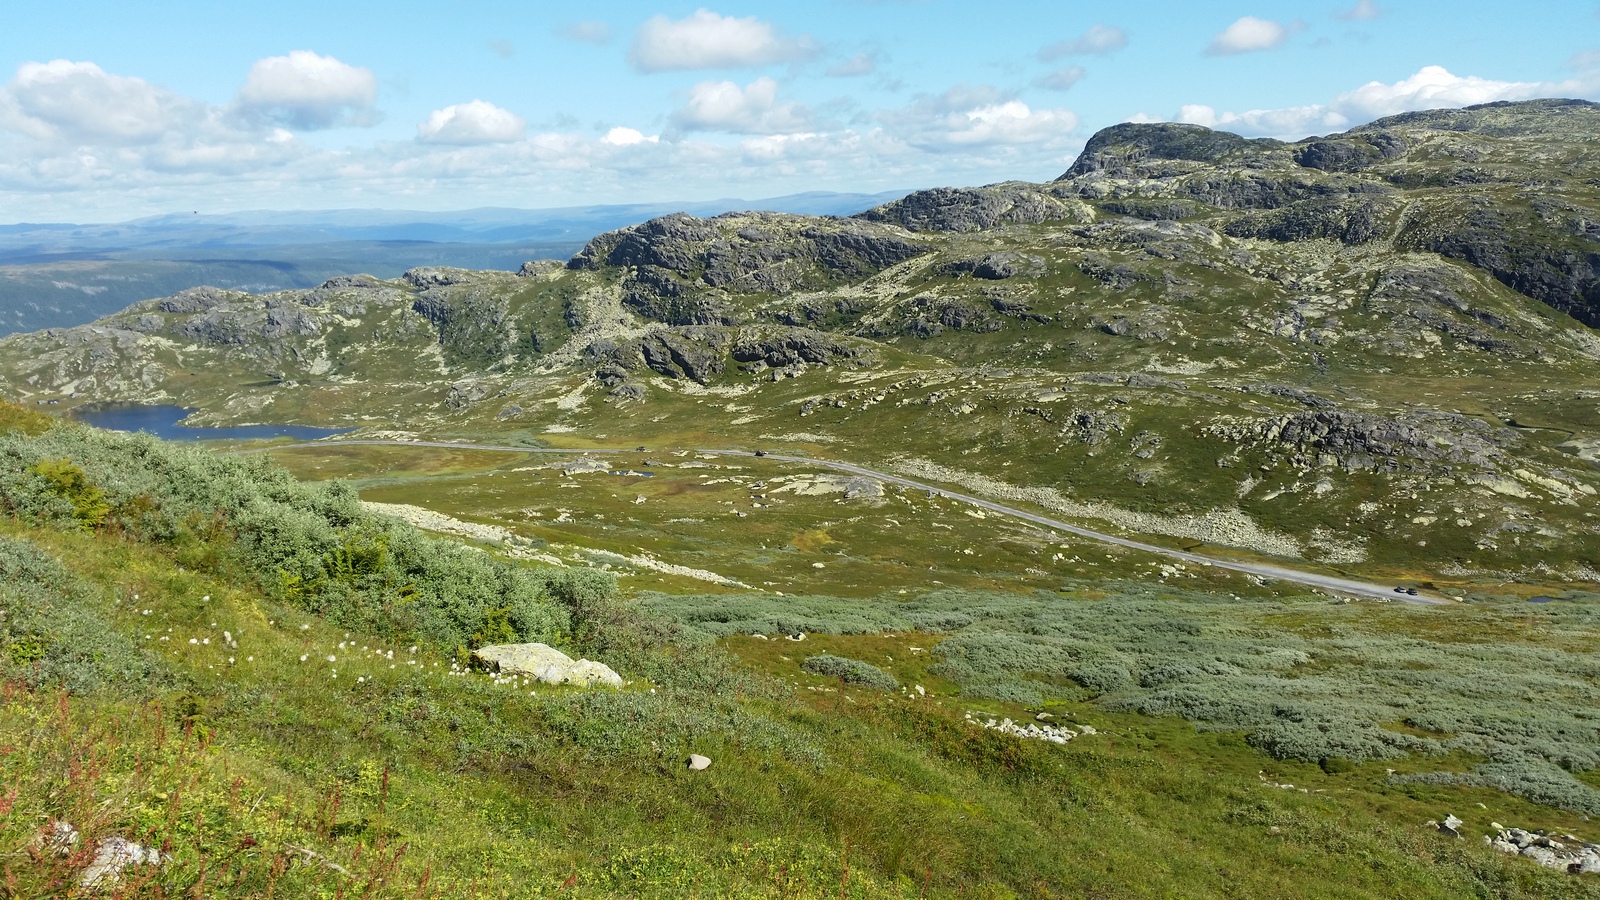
[305, 625]
[332, 658]
[304, 657]
[361, 679]
[193, 641]
[206, 641]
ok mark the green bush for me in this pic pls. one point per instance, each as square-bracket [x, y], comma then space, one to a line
[850, 671]
[312, 545]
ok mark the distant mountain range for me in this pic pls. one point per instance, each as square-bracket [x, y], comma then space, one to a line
[55, 275]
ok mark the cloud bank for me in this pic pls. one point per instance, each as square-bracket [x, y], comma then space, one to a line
[706, 40]
[1431, 87]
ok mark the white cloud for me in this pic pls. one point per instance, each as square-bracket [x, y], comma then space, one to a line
[861, 64]
[503, 48]
[306, 91]
[477, 122]
[706, 40]
[1246, 35]
[1294, 120]
[1099, 40]
[977, 116]
[592, 32]
[626, 137]
[1362, 11]
[1431, 87]
[79, 101]
[752, 109]
[1060, 79]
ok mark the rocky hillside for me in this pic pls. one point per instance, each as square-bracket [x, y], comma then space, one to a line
[1373, 350]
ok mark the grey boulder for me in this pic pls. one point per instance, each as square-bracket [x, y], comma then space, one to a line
[546, 664]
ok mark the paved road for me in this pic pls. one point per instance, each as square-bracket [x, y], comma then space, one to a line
[1310, 579]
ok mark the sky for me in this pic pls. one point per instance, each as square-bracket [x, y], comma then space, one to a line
[114, 109]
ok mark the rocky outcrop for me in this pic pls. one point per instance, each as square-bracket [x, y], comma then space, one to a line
[1150, 151]
[1350, 221]
[473, 325]
[979, 209]
[694, 353]
[996, 266]
[1435, 297]
[681, 270]
[1349, 154]
[438, 276]
[1564, 853]
[791, 346]
[1357, 439]
[1554, 262]
[196, 299]
[545, 664]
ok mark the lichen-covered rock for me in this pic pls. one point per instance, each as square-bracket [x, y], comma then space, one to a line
[681, 269]
[698, 354]
[789, 346]
[979, 209]
[1354, 221]
[546, 664]
[196, 299]
[437, 276]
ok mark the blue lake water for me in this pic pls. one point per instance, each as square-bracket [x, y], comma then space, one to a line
[162, 421]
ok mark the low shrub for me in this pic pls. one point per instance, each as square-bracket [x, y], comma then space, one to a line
[850, 671]
[312, 545]
[1324, 691]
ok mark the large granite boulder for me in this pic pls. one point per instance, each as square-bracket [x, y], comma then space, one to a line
[545, 663]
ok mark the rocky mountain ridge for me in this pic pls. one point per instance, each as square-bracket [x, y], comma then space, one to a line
[1394, 325]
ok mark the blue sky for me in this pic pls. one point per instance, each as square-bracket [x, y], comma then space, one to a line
[110, 110]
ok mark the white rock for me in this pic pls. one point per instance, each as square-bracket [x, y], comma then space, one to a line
[61, 838]
[586, 672]
[113, 856]
[1544, 856]
[546, 664]
[699, 763]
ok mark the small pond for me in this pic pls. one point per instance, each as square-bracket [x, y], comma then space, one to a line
[162, 421]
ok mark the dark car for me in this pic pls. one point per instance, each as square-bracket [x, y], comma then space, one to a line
[1411, 591]
[761, 453]
[639, 449]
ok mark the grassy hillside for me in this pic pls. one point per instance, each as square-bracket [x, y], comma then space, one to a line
[279, 736]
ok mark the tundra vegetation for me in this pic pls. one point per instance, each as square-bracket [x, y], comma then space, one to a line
[318, 736]
[1370, 353]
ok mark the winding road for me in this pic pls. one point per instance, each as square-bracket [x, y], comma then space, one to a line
[1264, 570]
